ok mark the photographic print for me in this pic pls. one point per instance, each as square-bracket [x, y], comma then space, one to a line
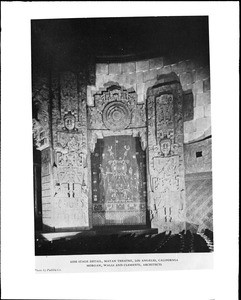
[116, 170]
[122, 141]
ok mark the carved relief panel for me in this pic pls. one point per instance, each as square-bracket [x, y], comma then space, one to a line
[116, 112]
[70, 171]
[166, 167]
[66, 175]
[70, 194]
[116, 108]
[41, 130]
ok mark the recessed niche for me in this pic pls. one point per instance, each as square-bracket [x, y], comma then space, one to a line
[199, 154]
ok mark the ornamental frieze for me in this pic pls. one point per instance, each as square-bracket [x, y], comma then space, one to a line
[41, 132]
[116, 109]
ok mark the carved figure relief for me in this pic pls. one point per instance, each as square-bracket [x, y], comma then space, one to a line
[166, 156]
[70, 173]
[167, 175]
[41, 121]
[69, 121]
[165, 146]
[118, 135]
[70, 177]
[165, 124]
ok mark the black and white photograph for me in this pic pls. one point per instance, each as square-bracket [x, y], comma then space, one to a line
[122, 136]
[119, 150]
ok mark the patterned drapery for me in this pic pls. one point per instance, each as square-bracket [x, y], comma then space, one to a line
[119, 182]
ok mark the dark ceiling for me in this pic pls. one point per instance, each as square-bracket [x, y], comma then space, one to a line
[74, 43]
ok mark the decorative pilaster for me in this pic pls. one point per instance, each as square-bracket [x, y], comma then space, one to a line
[65, 175]
[166, 184]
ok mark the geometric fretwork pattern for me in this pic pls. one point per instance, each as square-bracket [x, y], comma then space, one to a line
[199, 208]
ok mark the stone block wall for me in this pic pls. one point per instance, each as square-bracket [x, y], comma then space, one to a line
[138, 75]
[198, 182]
[194, 77]
[198, 156]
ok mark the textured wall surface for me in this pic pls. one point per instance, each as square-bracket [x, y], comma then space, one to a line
[199, 203]
[198, 181]
[194, 77]
[61, 126]
[60, 132]
[140, 75]
[198, 156]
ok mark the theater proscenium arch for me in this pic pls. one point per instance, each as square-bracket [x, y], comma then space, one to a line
[117, 130]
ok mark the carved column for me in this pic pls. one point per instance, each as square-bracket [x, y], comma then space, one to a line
[166, 185]
[60, 131]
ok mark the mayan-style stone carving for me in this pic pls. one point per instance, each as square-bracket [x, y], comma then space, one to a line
[61, 127]
[116, 108]
[41, 132]
[70, 172]
[165, 125]
[116, 116]
[70, 180]
[116, 112]
[69, 122]
[71, 148]
[93, 136]
[69, 107]
[117, 138]
[143, 136]
[166, 166]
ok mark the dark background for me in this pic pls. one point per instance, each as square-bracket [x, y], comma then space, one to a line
[74, 43]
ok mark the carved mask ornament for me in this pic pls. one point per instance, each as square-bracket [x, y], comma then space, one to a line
[69, 121]
[165, 146]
